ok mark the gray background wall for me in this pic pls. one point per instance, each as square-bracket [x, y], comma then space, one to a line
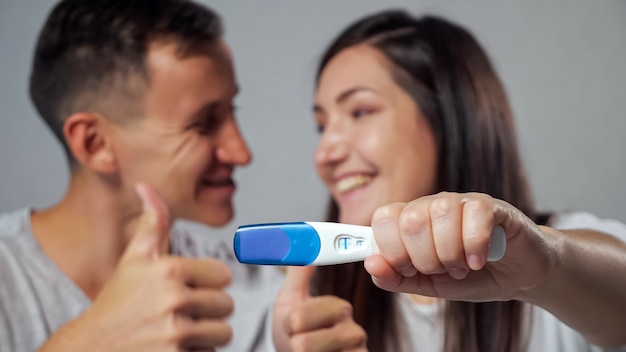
[562, 63]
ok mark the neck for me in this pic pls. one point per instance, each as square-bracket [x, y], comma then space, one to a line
[86, 233]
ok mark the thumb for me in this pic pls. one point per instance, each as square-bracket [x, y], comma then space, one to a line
[296, 285]
[294, 291]
[151, 238]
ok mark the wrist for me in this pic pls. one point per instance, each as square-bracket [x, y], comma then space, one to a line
[73, 336]
[555, 245]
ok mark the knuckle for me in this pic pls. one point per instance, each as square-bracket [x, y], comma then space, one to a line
[296, 319]
[346, 308]
[476, 206]
[169, 268]
[179, 330]
[348, 334]
[228, 305]
[298, 343]
[222, 271]
[386, 212]
[225, 335]
[177, 298]
[342, 307]
[383, 213]
[430, 268]
[441, 206]
[356, 336]
[411, 222]
[228, 276]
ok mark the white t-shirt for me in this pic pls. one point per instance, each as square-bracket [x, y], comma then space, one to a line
[423, 322]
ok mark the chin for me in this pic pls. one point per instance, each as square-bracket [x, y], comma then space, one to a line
[355, 219]
[214, 216]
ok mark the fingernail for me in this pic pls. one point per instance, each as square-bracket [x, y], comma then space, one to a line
[141, 192]
[475, 262]
[148, 209]
[458, 273]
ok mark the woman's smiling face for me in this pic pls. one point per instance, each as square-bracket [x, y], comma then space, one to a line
[376, 147]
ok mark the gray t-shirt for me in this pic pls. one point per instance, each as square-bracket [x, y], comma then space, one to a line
[37, 298]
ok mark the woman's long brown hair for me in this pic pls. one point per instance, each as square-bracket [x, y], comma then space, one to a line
[451, 79]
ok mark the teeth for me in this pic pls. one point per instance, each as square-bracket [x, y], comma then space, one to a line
[350, 183]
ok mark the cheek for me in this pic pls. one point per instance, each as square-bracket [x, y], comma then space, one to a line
[419, 167]
[192, 152]
[162, 156]
[373, 144]
[133, 152]
[323, 172]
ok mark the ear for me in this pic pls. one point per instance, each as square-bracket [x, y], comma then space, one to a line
[86, 135]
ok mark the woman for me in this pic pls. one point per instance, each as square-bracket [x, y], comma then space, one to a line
[408, 108]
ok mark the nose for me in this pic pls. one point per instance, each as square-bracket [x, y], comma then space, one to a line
[232, 147]
[333, 146]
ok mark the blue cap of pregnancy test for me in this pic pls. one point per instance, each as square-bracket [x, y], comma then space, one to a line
[290, 243]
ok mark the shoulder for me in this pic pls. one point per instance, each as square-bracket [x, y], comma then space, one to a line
[586, 220]
[13, 223]
[16, 243]
[14, 230]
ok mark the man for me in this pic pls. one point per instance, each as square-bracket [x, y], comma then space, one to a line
[140, 95]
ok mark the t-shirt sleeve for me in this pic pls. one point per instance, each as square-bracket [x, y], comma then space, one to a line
[585, 220]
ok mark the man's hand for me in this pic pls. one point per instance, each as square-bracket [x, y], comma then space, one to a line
[153, 301]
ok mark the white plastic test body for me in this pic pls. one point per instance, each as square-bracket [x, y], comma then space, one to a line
[319, 243]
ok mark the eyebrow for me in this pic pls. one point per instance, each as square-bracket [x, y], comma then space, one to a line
[344, 96]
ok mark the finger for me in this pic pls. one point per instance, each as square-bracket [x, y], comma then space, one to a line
[445, 212]
[417, 236]
[478, 222]
[384, 277]
[387, 234]
[296, 286]
[203, 334]
[317, 313]
[344, 336]
[151, 238]
[195, 272]
[207, 304]
[383, 274]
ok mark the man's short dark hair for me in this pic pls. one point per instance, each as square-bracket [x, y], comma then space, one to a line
[90, 52]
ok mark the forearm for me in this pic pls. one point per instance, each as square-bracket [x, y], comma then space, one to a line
[587, 290]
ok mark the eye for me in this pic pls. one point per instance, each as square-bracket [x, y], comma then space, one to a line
[208, 124]
[362, 112]
[213, 118]
[320, 122]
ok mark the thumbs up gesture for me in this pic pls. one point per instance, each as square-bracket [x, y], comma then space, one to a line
[305, 323]
[154, 301]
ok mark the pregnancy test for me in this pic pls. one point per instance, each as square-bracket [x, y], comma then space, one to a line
[319, 243]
